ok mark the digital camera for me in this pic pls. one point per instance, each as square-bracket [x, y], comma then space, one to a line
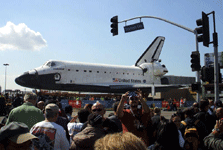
[132, 94]
[140, 127]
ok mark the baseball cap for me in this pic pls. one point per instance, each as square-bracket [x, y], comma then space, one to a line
[17, 132]
[52, 107]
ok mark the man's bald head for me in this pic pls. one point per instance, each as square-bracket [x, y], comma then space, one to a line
[98, 108]
[97, 105]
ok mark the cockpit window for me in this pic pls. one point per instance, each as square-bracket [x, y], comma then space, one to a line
[53, 64]
[50, 64]
[44, 63]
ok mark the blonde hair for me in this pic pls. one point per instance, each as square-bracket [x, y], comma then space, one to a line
[120, 141]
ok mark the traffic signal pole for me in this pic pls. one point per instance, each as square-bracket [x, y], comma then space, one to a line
[216, 73]
[175, 24]
[198, 74]
[203, 36]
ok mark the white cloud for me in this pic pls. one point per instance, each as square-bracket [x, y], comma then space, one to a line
[20, 37]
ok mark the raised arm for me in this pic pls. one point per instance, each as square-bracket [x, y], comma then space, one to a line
[213, 141]
[143, 102]
[120, 107]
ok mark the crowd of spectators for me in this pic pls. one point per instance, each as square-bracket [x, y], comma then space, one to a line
[44, 124]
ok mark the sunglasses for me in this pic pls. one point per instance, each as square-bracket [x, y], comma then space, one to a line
[94, 110]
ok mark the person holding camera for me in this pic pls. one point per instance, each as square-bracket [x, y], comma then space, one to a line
[135, 120]
[214, 141]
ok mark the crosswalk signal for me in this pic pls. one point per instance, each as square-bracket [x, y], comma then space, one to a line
[195, 61]
[114, 25]
[203, 30]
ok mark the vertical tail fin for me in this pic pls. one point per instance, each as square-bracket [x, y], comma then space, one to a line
[152, 52]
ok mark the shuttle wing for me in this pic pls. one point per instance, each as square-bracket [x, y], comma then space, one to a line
[152, 52]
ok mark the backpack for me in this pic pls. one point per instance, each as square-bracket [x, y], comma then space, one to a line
[190, 129]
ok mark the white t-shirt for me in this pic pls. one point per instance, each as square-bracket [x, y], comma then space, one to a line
[51, 136]
[73, 129]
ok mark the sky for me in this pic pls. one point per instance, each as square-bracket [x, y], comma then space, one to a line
[33, 32]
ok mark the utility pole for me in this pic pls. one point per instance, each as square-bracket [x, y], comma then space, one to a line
[5, 74]
[216, 73]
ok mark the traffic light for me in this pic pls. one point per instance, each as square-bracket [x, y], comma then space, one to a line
[210, 75]
[114, 25]
[204, 71]
[207, 74]
[195, 61]
[203, 30]
[196, 87]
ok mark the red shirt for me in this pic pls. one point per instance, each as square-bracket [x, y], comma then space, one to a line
[129, 123]
[181, 101]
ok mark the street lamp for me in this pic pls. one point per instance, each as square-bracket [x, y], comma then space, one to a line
[5, 74]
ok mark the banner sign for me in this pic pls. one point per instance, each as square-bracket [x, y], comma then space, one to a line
[209, 59]
[74, 103]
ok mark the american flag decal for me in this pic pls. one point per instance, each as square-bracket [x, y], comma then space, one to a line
[115, 80]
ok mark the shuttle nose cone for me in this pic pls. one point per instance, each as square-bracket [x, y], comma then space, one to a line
[18, 81]
[22, 80]
[27, 80]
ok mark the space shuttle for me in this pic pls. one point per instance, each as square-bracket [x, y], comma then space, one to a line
[146, 74]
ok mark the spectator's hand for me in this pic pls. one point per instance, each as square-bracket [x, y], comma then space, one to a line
[219, 125]
[125, 96]
[139, 94]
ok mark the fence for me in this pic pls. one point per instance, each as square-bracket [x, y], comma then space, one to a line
[109, 103]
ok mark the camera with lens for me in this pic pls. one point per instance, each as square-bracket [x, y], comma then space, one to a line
[140, 127]
[132, 94]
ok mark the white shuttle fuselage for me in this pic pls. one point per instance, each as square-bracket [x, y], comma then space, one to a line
[98, 74]
[77, 76]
